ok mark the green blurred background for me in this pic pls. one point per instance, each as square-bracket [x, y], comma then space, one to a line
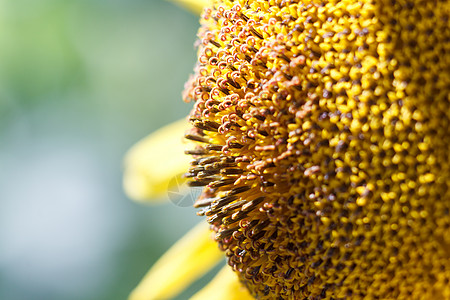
[81, 82]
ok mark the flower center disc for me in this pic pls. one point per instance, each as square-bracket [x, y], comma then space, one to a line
[323, 145]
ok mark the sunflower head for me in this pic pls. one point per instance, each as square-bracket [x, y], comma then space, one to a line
[323, 140]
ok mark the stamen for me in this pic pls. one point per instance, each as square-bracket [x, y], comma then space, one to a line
[196, 138]
[221, 183]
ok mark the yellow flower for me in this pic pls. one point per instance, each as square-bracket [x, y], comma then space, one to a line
[322, 133]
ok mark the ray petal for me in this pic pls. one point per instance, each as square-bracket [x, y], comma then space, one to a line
[191, 257]
[196, 6]
[155, 163]
[225, 286]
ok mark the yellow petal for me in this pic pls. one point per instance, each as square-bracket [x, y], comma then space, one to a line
[196, 6]
[155, 162]
[191, 257]
[225, 286]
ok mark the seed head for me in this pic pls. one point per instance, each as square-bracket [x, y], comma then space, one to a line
[323, 145]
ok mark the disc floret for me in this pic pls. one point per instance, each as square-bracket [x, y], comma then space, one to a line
[323, 137]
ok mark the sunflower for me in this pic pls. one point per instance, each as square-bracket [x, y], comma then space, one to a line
[321, 139]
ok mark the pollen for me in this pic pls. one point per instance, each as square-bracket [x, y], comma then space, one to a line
[323, 140]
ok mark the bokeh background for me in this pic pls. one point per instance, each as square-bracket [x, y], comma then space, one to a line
[80, 82]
